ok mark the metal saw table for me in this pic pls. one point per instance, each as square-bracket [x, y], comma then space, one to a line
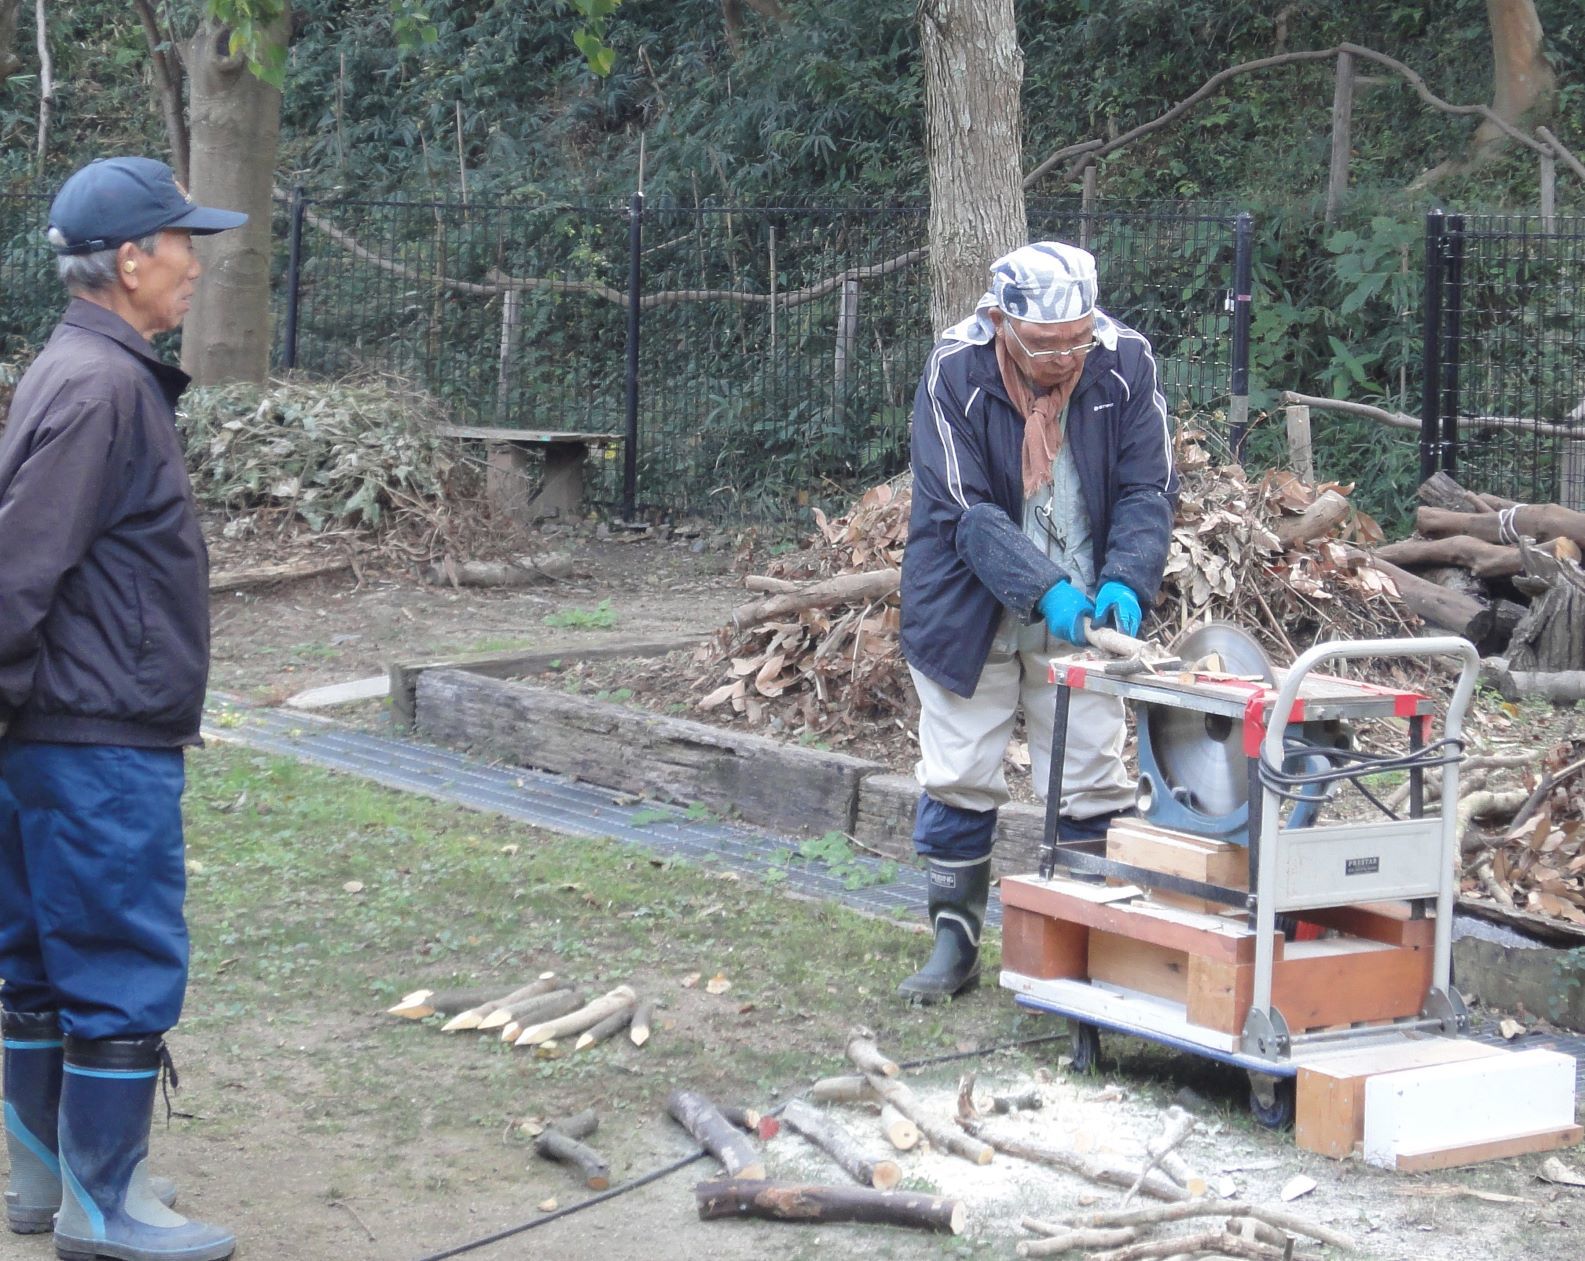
[1387, 884]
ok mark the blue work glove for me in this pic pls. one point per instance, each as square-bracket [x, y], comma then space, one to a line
[1117, 601]
[1065, 607]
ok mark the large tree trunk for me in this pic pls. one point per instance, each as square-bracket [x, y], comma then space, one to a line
[236, 124]
[1521, 76]
[974, 74]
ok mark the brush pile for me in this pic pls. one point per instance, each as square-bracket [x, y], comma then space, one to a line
[817, 655]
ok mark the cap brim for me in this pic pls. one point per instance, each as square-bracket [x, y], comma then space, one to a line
[202, 220]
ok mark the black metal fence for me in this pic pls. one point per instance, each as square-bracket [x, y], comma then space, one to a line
[1504, 400]
[777, 348]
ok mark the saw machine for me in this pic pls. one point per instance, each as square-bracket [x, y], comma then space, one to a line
[1235, 917]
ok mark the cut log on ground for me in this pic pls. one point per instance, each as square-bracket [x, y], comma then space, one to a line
[1154, 1215]
[474, 1016]
[837, 1143]
[843, 589]
[263, 575]
[848, 1088]
[1179, 1126]
[1561, 686]
[746, 1119]
[864, 1054]
[607, 1028]
[1092, 1168]
[715, 1134]
[1219, 1243]
[900, 1132]
[1551, 635]
[561, 1142]
[1030, 1100]
[791, 1202]
[1441, 491]
[643, 1018]
[524, 571]
[585, 1017]
[1484, 560]
[531, 1011]
[939, 1133]
[1539, 521]
[421, 1003]
[1059, 1240]
[1319, 519]
[1448, 609]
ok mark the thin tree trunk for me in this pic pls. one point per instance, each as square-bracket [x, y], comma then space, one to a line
[46, 81]
[166, 60]
[236, 124]
[1521, 77]
[10, 14]
[974, 75]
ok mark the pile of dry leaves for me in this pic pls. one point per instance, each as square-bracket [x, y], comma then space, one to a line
[816, 658]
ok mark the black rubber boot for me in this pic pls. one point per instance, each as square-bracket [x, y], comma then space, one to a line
[958, 894]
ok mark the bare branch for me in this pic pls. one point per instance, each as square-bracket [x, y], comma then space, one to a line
[168, 76]
[1399, 420]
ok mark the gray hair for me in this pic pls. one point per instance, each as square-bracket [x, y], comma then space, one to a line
[92, 273]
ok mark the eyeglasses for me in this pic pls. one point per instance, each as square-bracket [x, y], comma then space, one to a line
[1046, 354]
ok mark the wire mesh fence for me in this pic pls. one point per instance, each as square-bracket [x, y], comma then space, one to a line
[1512, 396]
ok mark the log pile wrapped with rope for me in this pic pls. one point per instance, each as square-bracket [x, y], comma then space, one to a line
[816, 653]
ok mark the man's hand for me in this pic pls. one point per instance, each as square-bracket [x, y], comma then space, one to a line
[1065, 607]
[1117, 601]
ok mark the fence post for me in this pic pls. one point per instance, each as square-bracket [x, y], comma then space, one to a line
[1452, 348]
[294, 271]
[1431, 348]
[635, 252]
[506, 370]
[1342, 123]
[847, 338]
[1548, 192]
[1238, 405]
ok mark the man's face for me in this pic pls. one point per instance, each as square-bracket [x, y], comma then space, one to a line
[165, 279]
[1041, 349]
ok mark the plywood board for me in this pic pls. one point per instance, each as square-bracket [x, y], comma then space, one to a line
[1449, 1114]
[1523, 1144]
[1330, 1114]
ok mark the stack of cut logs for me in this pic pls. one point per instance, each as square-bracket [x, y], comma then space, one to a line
[1506, 576]
[542, 1014]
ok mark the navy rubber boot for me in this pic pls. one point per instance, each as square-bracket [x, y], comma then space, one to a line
[958, 894]
[108, 1208]
[32, 1093]
[33, 1060]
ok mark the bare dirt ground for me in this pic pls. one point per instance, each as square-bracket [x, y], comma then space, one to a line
[360, 1202]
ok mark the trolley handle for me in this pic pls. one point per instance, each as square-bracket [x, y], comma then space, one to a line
[1271, 750]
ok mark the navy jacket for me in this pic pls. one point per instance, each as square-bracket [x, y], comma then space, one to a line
[104, 576]
[967, 557]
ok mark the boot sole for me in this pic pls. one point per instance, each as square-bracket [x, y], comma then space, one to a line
[31, 1223]
[928, 998]
[92, 1250]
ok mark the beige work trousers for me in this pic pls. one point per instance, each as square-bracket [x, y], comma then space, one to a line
[962, 740]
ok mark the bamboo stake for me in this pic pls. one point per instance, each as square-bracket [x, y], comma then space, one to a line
[470, 1019]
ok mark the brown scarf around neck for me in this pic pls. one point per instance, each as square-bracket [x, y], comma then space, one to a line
[1042, 413]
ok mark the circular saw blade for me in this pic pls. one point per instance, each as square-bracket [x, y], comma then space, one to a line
[1200, 755]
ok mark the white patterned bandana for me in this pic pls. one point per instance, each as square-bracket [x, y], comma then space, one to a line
[1048, 282]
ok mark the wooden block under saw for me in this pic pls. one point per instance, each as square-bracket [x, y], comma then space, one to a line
[1142, 844]
[1460, 1114]
[1330, 1113]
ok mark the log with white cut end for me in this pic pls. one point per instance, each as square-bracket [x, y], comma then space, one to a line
[472, 1018]
[900, 1132]
[1095, 1168]
[715, 1133]
[837, 1143]
[607, 1028]
[421, 1003]
[848, 1088]
[562, 1142]
[585, 1017]
[528, 1007]
[532, 1010]
[643, 1017]
[746, 1119]
[861, 1049]
[942, 1135]
[789, 1202]
[1179, 1126]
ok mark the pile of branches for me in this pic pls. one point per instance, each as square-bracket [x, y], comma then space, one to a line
[1524, 842]
[818, 653]
[296, 457]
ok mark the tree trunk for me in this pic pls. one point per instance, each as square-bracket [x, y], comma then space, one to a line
[974, 74]
[10, 63]
[1551, 637]
[169, 75]
[1521, 76]
[236, 125]
[788, 1202]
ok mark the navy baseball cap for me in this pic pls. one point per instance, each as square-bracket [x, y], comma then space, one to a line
[115, 200]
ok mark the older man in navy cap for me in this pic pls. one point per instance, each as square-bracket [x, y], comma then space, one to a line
[1043, 499]
[104, 656]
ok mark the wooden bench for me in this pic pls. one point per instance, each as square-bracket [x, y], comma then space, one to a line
[506, 474]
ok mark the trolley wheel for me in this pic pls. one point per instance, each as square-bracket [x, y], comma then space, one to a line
[1086, 1040]
[1271, 1100]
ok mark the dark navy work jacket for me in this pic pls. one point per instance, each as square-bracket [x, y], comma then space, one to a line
[967, 449]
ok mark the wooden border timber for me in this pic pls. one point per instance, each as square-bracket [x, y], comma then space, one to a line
[505, 665]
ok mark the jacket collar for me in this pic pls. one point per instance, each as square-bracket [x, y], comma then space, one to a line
[80, 313]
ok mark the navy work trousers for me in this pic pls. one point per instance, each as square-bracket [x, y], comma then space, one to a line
[92, 880]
